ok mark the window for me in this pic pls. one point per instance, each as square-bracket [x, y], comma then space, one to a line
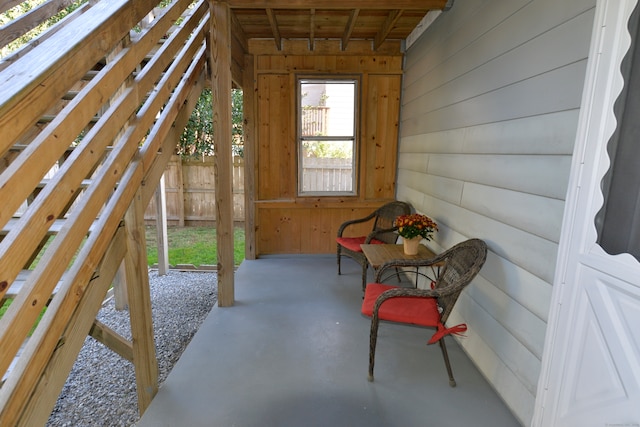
[327, 136]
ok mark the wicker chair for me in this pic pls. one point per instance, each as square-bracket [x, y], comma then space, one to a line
[382, 231]
[425, 307]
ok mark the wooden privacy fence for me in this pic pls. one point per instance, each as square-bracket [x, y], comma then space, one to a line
[314, 120]
[190, 191]
[327, 174]
[190, 187]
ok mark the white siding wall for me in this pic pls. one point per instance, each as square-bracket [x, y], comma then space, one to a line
[489, 116]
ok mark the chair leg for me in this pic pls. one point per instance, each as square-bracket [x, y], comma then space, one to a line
[364, 275]
[445, 355]
[373, 337]
[338, 255]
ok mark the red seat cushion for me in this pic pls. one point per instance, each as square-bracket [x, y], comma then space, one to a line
[417, 311]
[420, 311]
[353, 243]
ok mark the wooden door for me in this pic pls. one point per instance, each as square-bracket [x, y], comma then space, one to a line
[591, 365]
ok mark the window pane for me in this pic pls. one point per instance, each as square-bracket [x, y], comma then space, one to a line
[328, 108]
[327, 136]
[327, 166]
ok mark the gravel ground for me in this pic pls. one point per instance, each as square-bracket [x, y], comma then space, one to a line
[101, 388]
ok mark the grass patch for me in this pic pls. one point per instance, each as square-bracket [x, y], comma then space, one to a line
[187, 245]
[193, 245]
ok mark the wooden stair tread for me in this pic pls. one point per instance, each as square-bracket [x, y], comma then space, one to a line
[22, 147]
[17, 285]
[85, 183]
[55, 227]
[13, 363]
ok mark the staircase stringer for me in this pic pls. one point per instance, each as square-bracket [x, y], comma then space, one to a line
[54, 375]
[41, 402]
[134, 170]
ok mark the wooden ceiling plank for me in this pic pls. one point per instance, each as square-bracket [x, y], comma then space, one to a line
[386, 28]
[349, 29]
[274, 28]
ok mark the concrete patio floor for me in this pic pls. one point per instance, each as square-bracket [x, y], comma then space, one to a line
[293, 351]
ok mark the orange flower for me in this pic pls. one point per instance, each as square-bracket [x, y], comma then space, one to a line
[414, 225]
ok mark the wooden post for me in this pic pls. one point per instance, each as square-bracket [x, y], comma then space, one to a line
[121, 301]
[221, 95]
[161, 228]
[249, 106]
[180, 197]
[144, 353]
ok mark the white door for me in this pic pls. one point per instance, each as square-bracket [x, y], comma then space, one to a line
[590, 372]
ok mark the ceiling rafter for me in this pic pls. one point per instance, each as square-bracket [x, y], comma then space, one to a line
[274, 28]
[386, 28]
[347, 23]
[349, 28]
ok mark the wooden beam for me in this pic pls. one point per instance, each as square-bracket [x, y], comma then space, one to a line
[144, 350]
[337, 4]
[239, 48]
[112, 340]
[238, 33]
[386, 28]
[349, 28]
[325, 47]
[180, 184]
[237, 72]
[249, 108]
[161, 228]
[274, 28]
[221, 98]
[120, 299]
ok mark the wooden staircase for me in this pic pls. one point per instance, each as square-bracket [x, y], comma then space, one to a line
[106, 99]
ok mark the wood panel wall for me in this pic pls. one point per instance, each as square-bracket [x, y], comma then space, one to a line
[286, 223]
[491, 98]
